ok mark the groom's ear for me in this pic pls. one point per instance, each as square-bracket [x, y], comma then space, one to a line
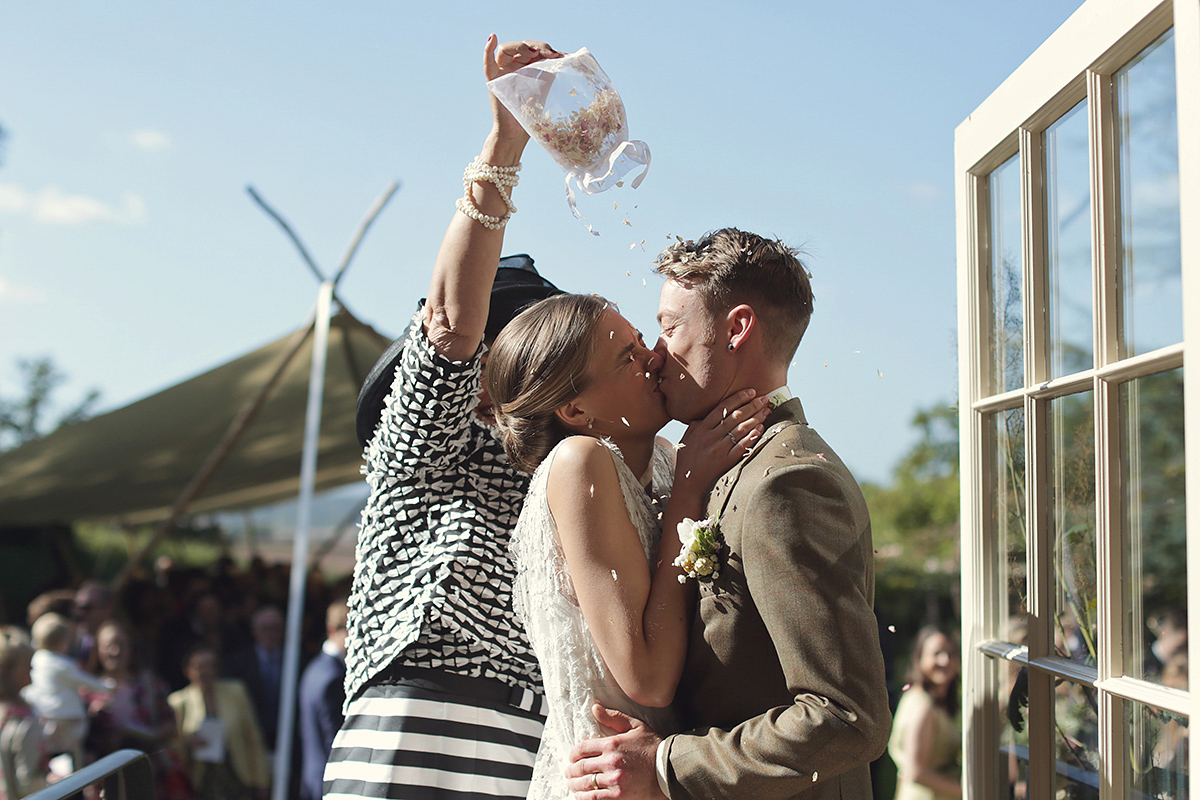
[740, 322]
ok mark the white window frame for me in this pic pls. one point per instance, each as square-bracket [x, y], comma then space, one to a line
[1077, 61]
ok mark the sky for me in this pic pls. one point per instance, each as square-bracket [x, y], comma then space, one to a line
[132, 255]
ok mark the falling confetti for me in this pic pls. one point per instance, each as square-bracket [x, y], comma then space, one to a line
[627, 222]
[644, 283]
[905, 687]
[814, 777]
[592, 490]
[610, 334]
[826, 365]
[724, 413]
[687, 474]
[625, 421]
[680, 446]
[614, 574]
[614, 205]
[620, 184]
[632, 245]
[891, 628]
[630, 274]
[879, 372]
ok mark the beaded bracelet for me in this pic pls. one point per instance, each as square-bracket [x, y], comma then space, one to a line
[503, 178]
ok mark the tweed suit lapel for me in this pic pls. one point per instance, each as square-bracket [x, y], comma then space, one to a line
[786, 415]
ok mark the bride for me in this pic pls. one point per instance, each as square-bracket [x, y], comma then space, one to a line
[576, 393]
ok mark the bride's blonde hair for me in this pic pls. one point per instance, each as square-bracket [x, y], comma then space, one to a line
[538, 363]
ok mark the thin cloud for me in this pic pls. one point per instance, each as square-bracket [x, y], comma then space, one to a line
[151, 141]
[923, 190]
[10, 291]
[13, 199]
[53, 206]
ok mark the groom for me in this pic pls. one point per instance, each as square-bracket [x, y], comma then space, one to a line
[783, 693]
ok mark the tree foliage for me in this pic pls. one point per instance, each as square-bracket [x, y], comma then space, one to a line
[915, 526]
[25, 417]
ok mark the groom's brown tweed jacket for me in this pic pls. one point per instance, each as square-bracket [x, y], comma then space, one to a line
[783, 693]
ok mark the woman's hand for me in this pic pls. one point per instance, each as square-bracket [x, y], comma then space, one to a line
[501, 59]
[711, 446]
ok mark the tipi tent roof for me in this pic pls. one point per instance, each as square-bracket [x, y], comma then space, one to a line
[134, 462]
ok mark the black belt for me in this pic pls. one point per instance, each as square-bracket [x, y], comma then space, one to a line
[487, 690]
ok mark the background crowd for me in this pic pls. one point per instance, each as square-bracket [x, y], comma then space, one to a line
[184, 664]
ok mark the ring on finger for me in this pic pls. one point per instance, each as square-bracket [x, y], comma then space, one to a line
[595, 781]
[732, 438]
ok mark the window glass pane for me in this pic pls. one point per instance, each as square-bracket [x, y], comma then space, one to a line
[1158, 748]
[1152, 308]
[1153, 471]
[1073, 485]
[1012, 693]
[1076, 751]
[1069, 243]
[1008, 520]
[1008, 316]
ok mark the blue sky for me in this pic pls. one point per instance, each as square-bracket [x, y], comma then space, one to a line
[131, 254]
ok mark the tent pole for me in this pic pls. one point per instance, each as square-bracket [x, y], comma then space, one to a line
[299, 571]
[234, 432]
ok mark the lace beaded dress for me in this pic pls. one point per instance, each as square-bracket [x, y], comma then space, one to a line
[573, 672]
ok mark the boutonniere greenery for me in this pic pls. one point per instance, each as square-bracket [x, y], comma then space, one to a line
[702, 547]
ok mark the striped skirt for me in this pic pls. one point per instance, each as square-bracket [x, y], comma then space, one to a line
[419, 740]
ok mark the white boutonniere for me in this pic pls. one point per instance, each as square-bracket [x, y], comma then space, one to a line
[702, 547]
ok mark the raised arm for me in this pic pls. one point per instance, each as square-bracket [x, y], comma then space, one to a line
[455, 313]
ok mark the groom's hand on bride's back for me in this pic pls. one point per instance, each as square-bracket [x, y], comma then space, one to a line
[618, 765]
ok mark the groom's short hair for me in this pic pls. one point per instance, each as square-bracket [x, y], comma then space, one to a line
[728, 267]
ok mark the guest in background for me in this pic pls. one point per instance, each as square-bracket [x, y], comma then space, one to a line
[218, 733]
[55, 683]
[23, 768]
[135, 713]
[260, 668]
[94, 605]
[60, 601]
[925, 741]
[202, 623]
[322, 693]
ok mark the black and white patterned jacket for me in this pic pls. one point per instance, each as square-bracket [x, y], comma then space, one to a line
[433, 576]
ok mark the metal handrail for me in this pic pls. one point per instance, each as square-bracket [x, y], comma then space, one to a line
[127, 775]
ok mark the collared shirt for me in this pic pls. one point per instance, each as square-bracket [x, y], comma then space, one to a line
[779, 396]
[433, 575]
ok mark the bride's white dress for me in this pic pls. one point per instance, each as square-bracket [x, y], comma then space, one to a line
[573, 672]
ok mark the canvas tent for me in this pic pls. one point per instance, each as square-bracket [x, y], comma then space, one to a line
[131, 464]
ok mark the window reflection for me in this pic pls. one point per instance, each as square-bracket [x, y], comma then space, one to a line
[1153, 476]
[1158, 752]
[1072, 458]
[1008, 316]
[1076, 741]
[1008, 514]
[1069, 243]
[1151, 271]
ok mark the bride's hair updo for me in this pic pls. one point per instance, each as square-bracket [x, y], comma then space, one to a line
[538, 363]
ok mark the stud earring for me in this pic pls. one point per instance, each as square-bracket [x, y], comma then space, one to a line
[731, 345]
[589, 423]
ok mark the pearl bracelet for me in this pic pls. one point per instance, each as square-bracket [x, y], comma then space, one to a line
[503, 178]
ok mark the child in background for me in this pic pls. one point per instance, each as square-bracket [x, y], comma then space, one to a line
[55, 681]
[23, 768]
